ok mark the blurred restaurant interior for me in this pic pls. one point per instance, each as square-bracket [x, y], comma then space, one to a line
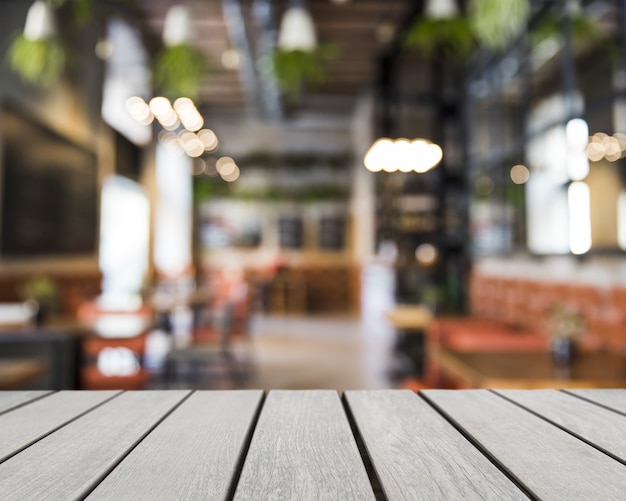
[346, 194]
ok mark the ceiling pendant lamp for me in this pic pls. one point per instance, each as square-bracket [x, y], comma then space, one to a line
[177, 28]
[40, 23]
[297, 31]
[441, 9]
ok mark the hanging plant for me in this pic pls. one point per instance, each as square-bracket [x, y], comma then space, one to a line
[450, 35]
[495, 22]
[37, 54]
[39, 62]
[584, 30]
[295, 69]
[178, 70]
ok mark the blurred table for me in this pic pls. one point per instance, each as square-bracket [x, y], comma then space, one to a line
[531, 370]
[410, 323]
[17, 373]
[313, 444]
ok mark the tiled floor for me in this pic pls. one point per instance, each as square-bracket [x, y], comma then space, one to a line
[320, 352]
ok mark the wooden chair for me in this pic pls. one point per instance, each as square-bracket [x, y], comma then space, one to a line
[220, 350]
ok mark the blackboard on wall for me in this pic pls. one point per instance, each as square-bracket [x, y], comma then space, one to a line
[290, 232]
[49, 191]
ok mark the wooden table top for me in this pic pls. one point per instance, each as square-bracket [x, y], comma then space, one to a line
[528, 370]
[315, 444]
[410, 317]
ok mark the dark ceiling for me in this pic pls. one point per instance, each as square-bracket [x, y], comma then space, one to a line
[362, 31]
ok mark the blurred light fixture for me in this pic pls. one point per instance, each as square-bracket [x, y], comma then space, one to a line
[426, 254]
[579, 204]
[297, 31]
[40, 21]
[177, 28]
[602, 146]
[577, 135]
[404, 155]
[191, 138]
[520, 174]
[104, 49]
[231, 58]
[441, 9]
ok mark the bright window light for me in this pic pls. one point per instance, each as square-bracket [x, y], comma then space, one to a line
[578, 198]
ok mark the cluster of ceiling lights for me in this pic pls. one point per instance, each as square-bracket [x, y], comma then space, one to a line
[404, 155]
[181, 121]
[601, 145]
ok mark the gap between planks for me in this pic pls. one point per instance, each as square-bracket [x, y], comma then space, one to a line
[484, 451]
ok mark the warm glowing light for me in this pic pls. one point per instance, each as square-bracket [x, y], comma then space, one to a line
[231, 58]
[374, 159]
[401, 155]
[197, 167]
[404, 155]
[209, 139]
[232, 175]
[426, 254]
[602, 146]
[225, 165]
[520, 174]
[160, 106]
[578, 199]
[577, 133]
[139, 110]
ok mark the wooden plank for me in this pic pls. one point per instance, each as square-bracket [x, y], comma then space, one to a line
[193, 454]
[612, 398]
[70, 462]
[12, 399]
[303, 448]
[550, 462]
[417, 454]
[601, 427]
[26, 425]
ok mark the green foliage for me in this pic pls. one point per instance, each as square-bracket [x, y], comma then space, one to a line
[39, 62]
[40, 288]
[452, 36]
[584, 30]
[294, 69]
[178, 70]
[495, 22]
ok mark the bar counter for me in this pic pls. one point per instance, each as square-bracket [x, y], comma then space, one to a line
[313, 444]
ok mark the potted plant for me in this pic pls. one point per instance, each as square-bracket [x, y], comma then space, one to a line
[37, 55]
[42, 293]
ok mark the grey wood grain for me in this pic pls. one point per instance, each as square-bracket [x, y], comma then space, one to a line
[11, 399]
[27, 424]
[613, 398]
[550, 462]
[417, 454]
[68, 463]
[601, 427]
[193, 454]
[303, 448]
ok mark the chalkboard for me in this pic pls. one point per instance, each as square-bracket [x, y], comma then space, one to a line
[290, 232]
[49, 191]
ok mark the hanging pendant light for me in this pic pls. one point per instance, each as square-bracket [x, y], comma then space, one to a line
[40, 23]
[441, 9]
[297, 31]
[177, 28]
